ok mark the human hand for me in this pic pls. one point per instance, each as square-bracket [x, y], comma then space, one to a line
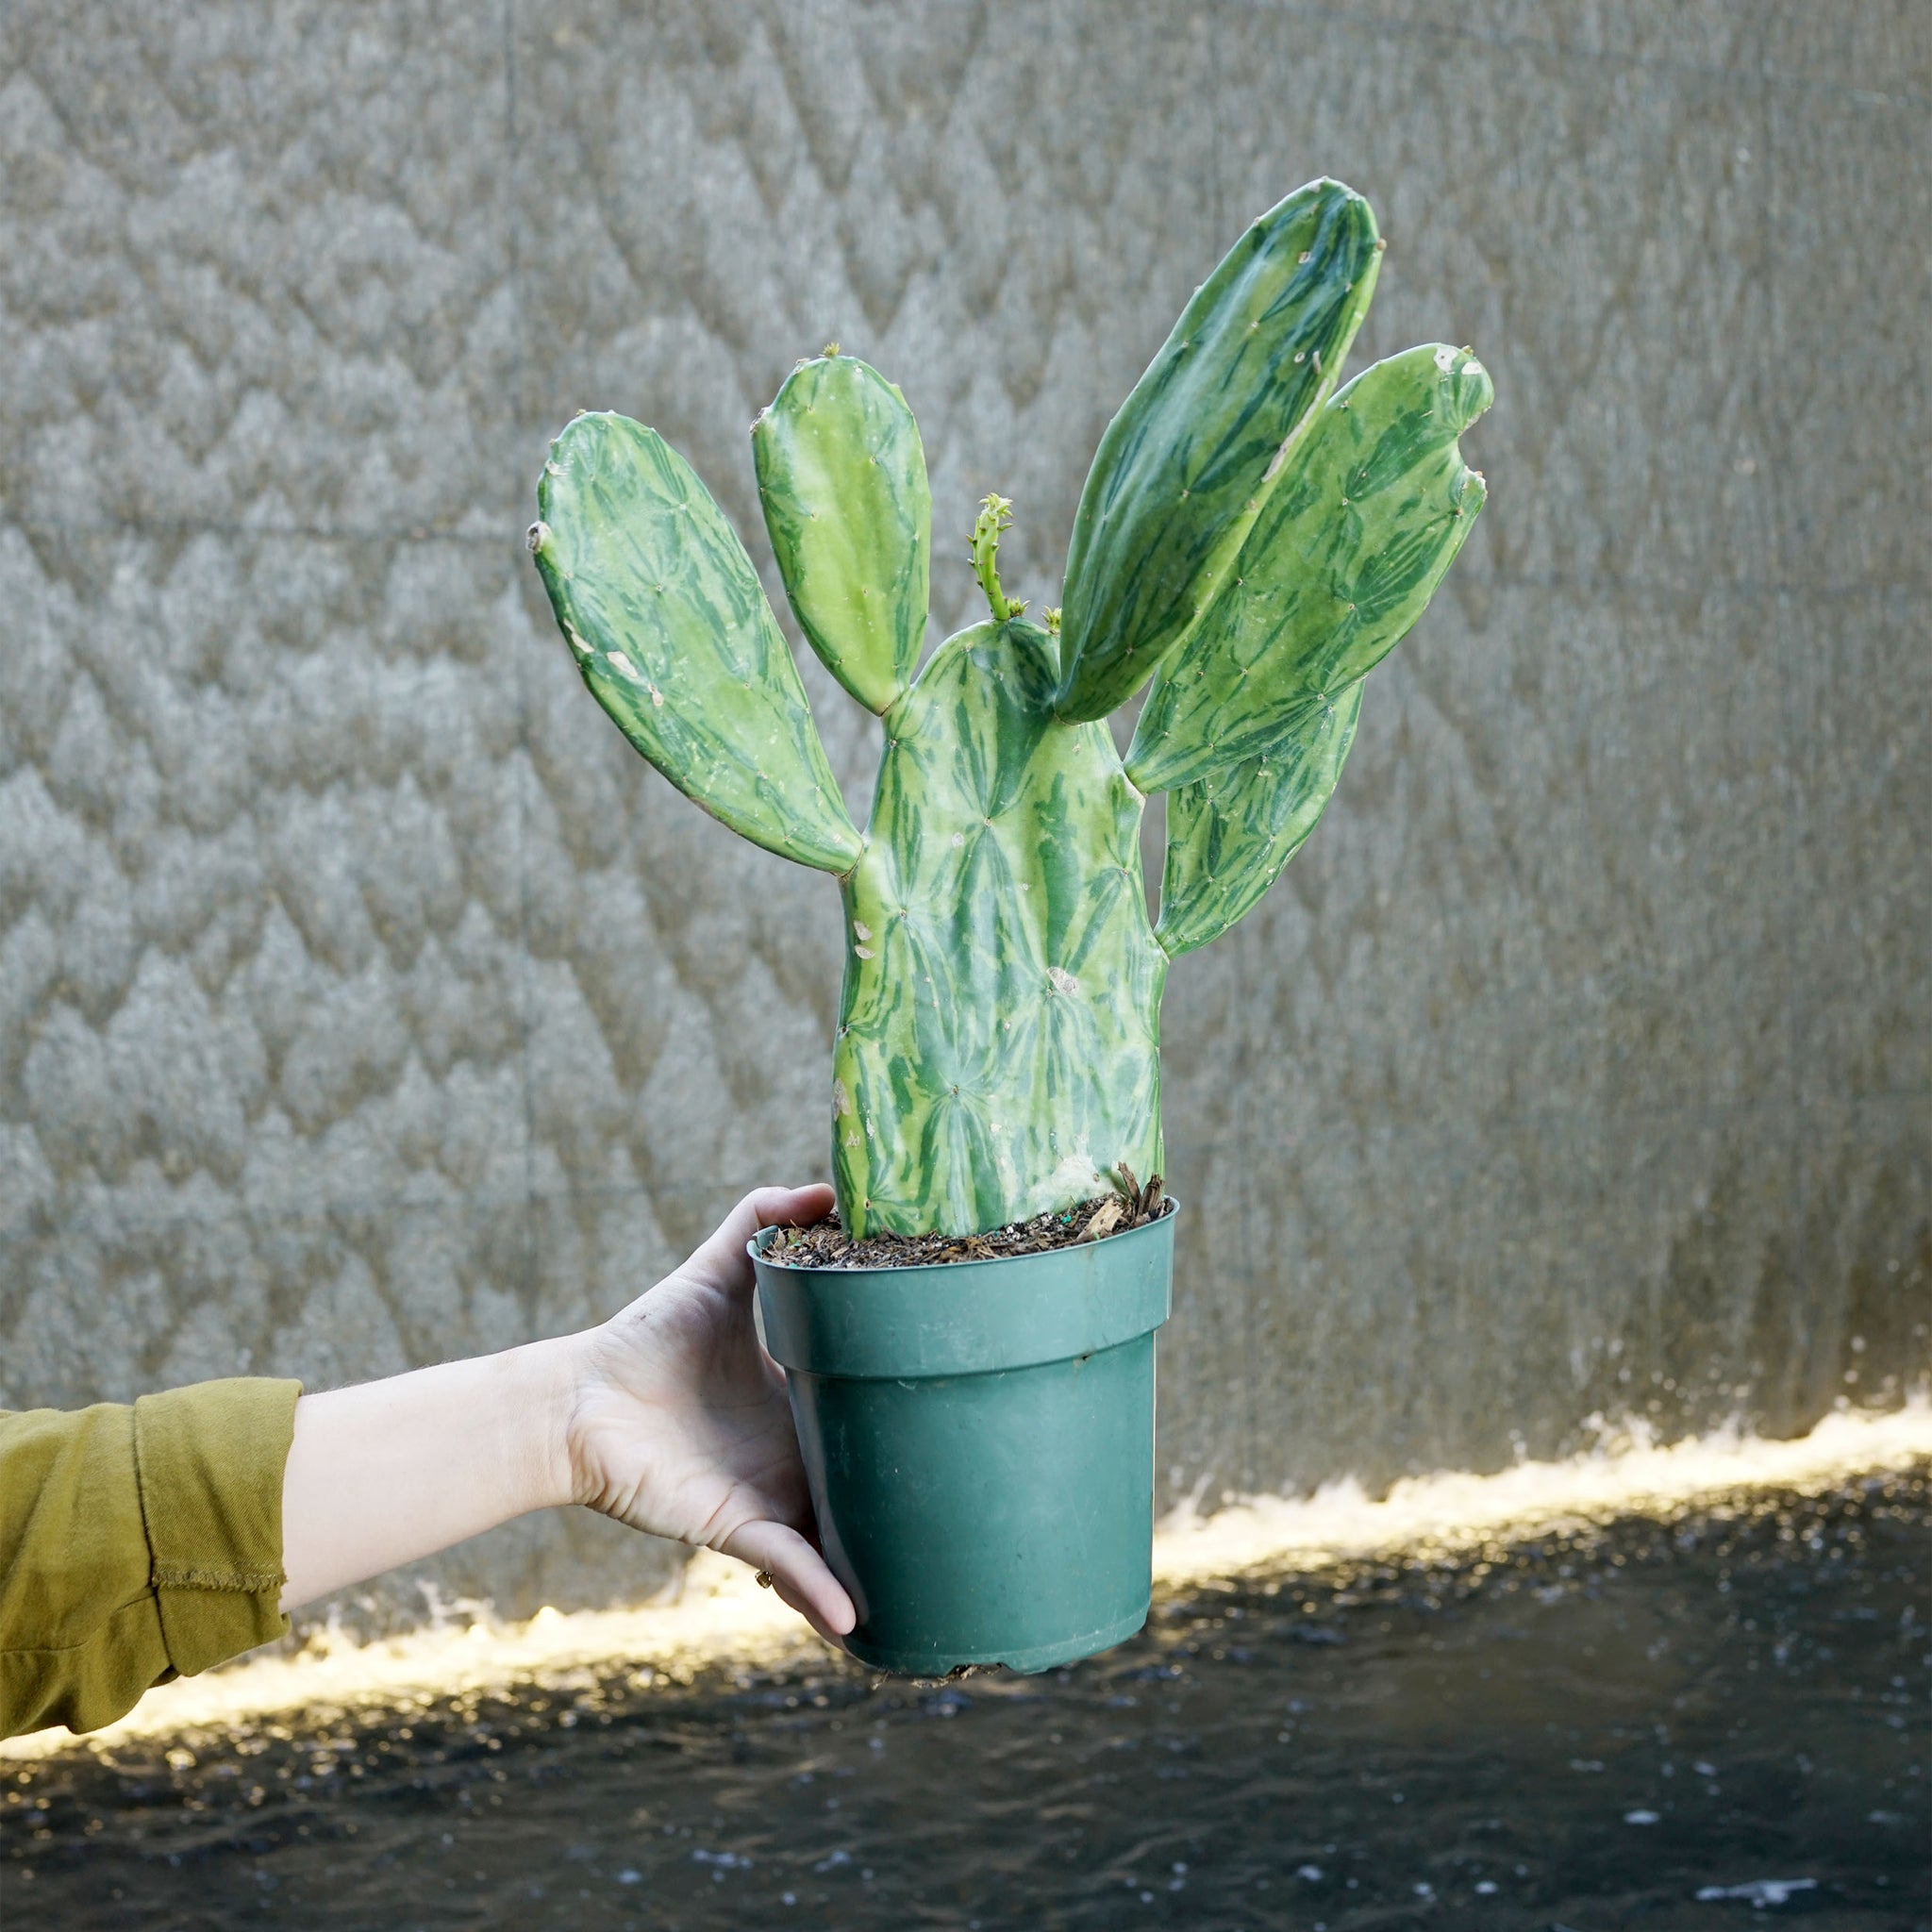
[668, 1417]
[679, 1423]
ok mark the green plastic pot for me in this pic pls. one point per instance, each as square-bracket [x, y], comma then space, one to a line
[979, 1441]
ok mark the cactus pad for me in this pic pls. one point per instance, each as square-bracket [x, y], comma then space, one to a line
[1334, 573]
[1207, 434]
[673, 633]
[842, 476]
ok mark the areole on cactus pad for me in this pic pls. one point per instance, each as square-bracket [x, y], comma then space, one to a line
[1251, 539]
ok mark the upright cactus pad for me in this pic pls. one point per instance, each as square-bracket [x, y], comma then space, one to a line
[1333, 573]
[1250, 538]
[842, 476]
[1208, 436]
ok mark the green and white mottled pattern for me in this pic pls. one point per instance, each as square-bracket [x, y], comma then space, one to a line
[999, 1044]
[1189, 462]
[842, 476]
[1229, 835]
[1334, 573]
[674, 635]
[1260, 542]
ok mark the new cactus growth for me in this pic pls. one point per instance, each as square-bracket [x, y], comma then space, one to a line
[1251, 542]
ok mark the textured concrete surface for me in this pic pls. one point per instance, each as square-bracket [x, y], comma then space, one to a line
[364, 1000]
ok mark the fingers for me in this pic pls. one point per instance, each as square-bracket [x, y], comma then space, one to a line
[800, 1573]
[722, 1260]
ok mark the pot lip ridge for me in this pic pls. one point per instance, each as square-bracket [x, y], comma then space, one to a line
[755, 1247]
[928, 1321]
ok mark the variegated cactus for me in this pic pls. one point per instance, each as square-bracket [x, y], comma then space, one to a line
[1251, 542]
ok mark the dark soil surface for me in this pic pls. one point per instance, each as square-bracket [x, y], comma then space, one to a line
[827, 1245]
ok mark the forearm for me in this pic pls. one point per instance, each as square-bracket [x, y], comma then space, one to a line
[390, 1471]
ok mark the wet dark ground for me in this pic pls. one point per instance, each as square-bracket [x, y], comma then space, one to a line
[1585, 1732]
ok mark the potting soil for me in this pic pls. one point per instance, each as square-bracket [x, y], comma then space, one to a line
[825, 1243]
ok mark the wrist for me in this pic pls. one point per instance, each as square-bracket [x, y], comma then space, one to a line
[538, 1405]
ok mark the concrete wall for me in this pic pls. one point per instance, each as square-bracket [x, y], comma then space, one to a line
[364, 1000]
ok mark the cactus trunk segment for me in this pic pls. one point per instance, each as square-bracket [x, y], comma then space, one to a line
[1195, 451]
[673, 634]
[842, 476]
[1229, 835]
[998, 1045]
[1334, 573]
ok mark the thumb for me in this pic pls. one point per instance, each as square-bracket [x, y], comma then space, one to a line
[721, 1261]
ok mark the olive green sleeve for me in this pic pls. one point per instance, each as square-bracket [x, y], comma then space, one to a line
[137, 1544]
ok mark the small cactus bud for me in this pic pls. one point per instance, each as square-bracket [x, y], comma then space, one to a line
[995, 514]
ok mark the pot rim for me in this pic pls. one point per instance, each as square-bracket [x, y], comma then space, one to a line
[965, 1318]
[755, 1247]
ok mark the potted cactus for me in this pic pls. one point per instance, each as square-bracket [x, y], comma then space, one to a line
[1252, 539]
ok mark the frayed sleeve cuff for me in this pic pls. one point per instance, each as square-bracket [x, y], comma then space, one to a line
[210, 1460]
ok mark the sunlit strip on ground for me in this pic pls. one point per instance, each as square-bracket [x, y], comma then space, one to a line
[720, 1616]
[1449, 1512]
